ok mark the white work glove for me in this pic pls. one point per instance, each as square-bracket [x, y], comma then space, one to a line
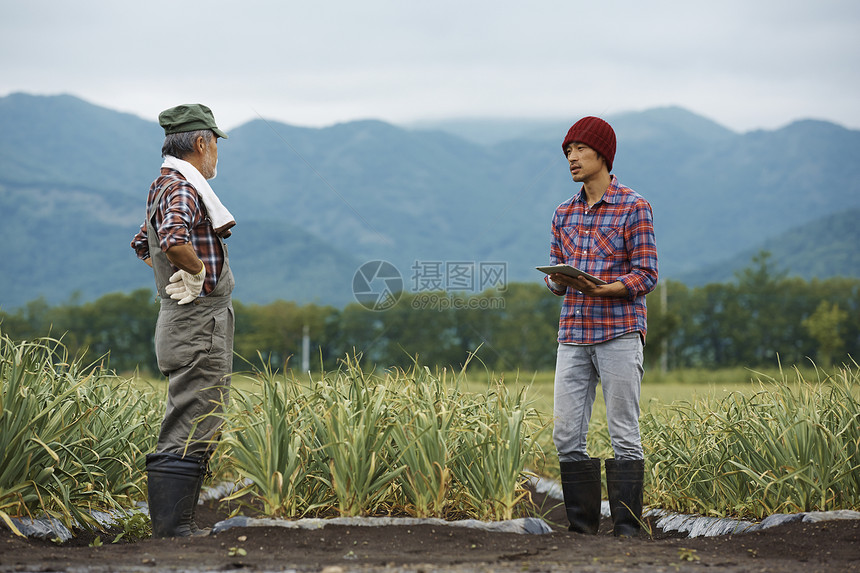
[186, 287]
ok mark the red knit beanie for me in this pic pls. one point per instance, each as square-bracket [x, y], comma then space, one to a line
[596, 134]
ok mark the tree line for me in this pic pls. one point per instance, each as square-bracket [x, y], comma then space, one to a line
[759, 317]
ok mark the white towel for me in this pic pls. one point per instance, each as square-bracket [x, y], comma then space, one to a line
[220, 217]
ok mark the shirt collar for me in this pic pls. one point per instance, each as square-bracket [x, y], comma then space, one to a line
[608, 197]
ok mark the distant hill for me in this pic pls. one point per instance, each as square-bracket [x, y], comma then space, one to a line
[657, 123]
[73, 184]
[821, 249]
[313, 204]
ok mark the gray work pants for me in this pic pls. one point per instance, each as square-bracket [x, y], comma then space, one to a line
[194, 346]
[617, 364]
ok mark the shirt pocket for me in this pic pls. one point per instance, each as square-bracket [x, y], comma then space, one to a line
[609, 241]
[572, 241]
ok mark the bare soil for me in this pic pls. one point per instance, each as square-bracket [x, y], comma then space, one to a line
[831, 547]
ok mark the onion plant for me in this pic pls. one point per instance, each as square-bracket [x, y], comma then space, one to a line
[352, 442]
[269, 446]
[791, 447]
[352, 420]
[493, 450]
[422, 443]
[357, 442]
[72, 437]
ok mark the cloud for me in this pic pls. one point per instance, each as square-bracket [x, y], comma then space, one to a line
[744, 64]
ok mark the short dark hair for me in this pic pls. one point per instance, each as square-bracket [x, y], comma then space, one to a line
[181, 144]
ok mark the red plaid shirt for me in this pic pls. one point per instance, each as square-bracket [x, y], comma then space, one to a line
[614, 241]
[179, 219]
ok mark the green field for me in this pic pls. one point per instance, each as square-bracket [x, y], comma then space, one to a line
[426, 442]
[657, 388]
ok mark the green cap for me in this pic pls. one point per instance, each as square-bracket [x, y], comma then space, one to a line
[188, 117]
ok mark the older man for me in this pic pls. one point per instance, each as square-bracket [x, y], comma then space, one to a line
[605, 230]
[182, 239]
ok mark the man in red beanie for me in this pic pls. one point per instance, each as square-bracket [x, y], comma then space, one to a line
[606, 230]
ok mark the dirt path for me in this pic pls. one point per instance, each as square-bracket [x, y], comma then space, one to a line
[830, 547]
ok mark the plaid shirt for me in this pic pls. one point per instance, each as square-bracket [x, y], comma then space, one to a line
[179, 219]
[614, 241]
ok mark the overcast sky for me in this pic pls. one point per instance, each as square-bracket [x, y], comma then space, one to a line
[746, 64]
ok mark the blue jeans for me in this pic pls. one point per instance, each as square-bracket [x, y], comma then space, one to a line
[617, 364]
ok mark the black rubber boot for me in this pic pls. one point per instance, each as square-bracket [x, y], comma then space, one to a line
[173, 488]
[580, 483]
[204, 473]
[624, 484]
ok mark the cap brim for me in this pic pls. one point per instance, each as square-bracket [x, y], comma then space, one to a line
[219, 133]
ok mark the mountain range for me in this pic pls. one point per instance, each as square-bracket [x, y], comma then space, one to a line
[314, 204]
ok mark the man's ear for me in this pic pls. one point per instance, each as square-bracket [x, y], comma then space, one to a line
[200, 144]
